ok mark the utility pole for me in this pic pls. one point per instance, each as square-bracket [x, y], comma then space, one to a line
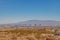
[39, 24]
[35, 24]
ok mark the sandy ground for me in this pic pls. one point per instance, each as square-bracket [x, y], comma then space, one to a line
[28, 34]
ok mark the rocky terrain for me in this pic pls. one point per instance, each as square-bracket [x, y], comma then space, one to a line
[30, 33]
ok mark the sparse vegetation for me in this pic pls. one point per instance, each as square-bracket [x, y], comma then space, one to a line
[29, 34]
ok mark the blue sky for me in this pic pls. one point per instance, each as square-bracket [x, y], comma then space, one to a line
[12, 11]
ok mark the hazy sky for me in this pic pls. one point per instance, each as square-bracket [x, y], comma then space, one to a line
[12, 11]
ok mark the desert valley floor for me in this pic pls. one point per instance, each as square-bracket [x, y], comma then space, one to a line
[29, 34]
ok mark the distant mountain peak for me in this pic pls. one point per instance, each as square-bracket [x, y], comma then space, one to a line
[38, 22]
[41, 20]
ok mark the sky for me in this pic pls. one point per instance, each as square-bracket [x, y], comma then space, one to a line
[12, 11]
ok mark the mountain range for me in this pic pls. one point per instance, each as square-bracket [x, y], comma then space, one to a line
[36, 23]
